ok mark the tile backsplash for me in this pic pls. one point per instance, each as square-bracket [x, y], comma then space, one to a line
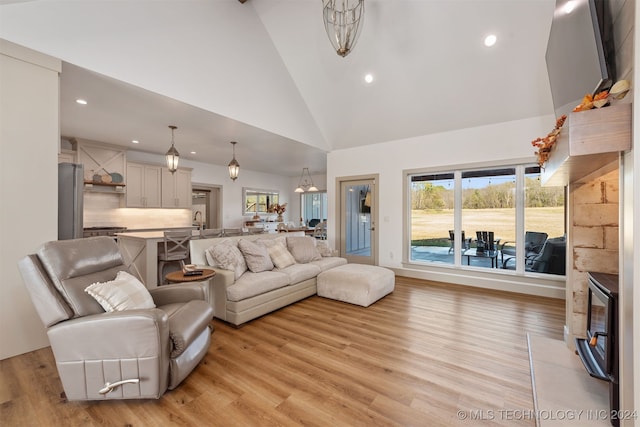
[102, 209]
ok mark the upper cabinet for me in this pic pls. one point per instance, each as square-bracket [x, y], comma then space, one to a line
[590, 141]
[153, 186]
[144, 185]
[99, 159]
[176, 188]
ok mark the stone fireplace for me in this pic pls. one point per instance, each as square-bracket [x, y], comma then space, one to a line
[593, 226]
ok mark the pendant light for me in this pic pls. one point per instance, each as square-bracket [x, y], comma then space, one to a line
[234, 166]
[305, 184]
[172, 155]
[342, 22]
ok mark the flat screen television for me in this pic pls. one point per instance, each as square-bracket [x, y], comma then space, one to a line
[580, 52]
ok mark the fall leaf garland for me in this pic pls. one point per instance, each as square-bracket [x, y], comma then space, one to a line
[544, 144]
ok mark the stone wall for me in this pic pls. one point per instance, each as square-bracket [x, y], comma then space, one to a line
[594, 219]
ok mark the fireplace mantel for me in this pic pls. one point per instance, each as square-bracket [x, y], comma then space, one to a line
[590, 143]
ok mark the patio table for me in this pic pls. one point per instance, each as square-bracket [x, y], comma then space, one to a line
[493, 255]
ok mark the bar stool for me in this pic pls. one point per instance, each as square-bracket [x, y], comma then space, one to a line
[175, 249]
[210, 232]
[228, 232]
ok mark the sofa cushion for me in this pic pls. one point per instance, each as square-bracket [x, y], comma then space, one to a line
[227, 256]
[300, 272]
[252, 284]
[327, 263]
[255, 255]
[303, 249]
[125, 292]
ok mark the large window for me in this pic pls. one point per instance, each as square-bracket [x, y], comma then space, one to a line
[494, 218]
[313, 207]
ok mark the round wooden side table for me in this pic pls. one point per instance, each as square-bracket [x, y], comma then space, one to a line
[179, 277]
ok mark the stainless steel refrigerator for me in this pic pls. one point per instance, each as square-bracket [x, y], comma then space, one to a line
[70, 200]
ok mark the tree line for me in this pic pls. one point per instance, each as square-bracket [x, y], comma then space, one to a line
[425, 195]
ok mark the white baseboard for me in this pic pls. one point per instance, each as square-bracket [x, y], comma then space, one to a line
[544, 287]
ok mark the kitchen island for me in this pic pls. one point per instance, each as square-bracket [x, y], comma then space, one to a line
[140, 251]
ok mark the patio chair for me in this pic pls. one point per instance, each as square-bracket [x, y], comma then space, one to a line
[466, 243]
[485, 241]
[551, 258]
[533, 243]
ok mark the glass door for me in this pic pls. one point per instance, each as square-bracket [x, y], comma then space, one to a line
[357, 221]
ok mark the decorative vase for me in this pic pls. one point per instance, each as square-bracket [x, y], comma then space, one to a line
[280, 219]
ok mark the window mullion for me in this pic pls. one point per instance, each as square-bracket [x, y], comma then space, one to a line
[520, 205]
[457, 217]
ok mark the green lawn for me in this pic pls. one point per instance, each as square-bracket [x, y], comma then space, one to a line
[432, 227]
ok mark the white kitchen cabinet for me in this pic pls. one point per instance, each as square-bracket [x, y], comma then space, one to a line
[176, 188]
[100, 159]
[144, 185]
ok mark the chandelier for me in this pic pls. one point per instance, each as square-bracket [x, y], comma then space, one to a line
[234, 166]
[342, 21]
[172, 155]
[305, 184]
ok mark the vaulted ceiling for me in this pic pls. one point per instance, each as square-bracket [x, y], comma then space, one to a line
[263, 73]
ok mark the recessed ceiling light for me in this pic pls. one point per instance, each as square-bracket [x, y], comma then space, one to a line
[135, 141]
[193, 152]
[81, 101]
[368, 78]
[569, 6]
[490, 40]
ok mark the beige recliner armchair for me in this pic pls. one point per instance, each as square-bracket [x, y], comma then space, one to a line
[133, 354]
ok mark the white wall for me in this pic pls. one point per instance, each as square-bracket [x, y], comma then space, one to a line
[510, 141]
[29, 140]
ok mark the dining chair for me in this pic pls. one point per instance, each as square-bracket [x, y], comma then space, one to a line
[320, 230]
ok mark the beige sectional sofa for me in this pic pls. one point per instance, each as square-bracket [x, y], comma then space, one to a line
[239, 294]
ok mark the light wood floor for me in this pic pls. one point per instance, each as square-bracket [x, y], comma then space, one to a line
[427, 355]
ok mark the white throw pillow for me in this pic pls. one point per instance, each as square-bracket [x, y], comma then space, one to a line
[277, 248]
[208, 254]
[256, 256]
[280, 256]
[125, 292]
[323, 248]
[303, 249]
[227, 256]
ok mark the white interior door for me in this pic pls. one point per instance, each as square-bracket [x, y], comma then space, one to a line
[358, 237]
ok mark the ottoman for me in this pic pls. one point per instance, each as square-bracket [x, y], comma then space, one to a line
[358, 284]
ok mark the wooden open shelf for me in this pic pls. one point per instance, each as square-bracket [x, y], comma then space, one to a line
[591, 141]
[107, 184]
